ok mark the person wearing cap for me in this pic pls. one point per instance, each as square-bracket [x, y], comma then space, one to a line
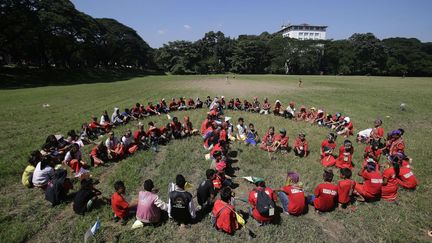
[253, 197]
[173, 105]
[265, 109]
[346, 151]
[114, 147]
[370, 189]
[292, 196]
[268, 140]
[397, 144]
[301, 146]
[290, 111]
[346, 129]
[281, 141]
[278, 110]
[150, 206]
[325, 195]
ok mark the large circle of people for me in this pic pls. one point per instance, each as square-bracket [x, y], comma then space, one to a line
[45, 171]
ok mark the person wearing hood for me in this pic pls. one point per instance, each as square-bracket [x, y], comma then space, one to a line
[278, 110]
[116, 118]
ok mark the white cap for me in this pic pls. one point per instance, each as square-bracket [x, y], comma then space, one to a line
[347, 119]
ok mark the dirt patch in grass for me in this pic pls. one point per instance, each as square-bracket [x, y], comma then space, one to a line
[241, 87]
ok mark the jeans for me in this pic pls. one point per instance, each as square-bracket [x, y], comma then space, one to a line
[284, 201]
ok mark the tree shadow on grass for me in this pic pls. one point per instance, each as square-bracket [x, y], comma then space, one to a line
[19, 78]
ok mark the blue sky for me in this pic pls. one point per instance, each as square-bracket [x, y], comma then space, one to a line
[160, 21]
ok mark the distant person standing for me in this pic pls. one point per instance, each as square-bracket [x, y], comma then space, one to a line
[300, 82]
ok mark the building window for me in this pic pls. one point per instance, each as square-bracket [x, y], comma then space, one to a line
[316, 34]
[300, 33]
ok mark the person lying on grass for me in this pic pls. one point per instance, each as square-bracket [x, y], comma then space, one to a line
[150, 206]
[370, 189]
[206, 194]
[292, 196]
[27, 176]
[121, 208]
[268, 140]
[345, 188]
[325, 195]
[301, 146]
[223, 215]
[86, 198]
[180, 205]
[262, 200]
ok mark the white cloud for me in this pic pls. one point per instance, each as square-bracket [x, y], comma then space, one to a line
[187, 27]
[161, 32]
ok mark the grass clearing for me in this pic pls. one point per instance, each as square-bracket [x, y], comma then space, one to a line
[26, 216]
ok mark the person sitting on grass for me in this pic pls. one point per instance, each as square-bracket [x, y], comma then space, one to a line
[129, 143]
[105, 122]
[151, 109]
[373, 151]
[252, 137]
[268, 140]
[180, 205]
[95, 128]
[345, 187]
[173, 105]
[198, 103]
[114, 147]
[397, 144]
[119, 205]
[116, 117]
[176, 128]
[127, 116]
[281, 141]
[328, 144]
[377, 133]
[141, 137]
[99, 155]
[256, 106]
[150, 206]
[241, 130]
[319, 118]
[301, 147]
[265, 109]
[346, 151]
[278, 110]
[206, 194]
[86, 197]
[370, 189]
[302, 115]
[390, 174]
[290, 111]
[43, 173]
[74, 160]
[27, 176]
[135, 111]
[406, 178]
[292, 196]
[223, 215]
[208, 101]
[247, 105]
[325, 195]
[182, 104]
[188, 129]
[262, 199]
[346, 129]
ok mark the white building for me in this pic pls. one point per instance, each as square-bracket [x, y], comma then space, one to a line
[304, 32]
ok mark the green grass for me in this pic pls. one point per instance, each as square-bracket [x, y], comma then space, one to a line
[26, 216]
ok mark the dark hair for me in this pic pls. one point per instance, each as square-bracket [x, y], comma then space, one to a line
[260, 183]
[210, 173]
[148, 185]
[395, 163]
[225, 194]
[51, 140]
[46, 161]
[402, 131]
[175, 118]
[87, 184]
[251, 124]
[34, 158]
[347, 173]
[180, 181]
[241, 119]
[137, 104]
[118, 185]
[328, 175]
[72, 133]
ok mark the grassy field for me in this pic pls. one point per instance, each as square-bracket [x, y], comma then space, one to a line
[26, 216]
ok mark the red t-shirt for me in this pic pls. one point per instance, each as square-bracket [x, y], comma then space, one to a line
[372, 182]
[396, 146]
[344, 159]
[299, 143]
[226, 218]
[119, 205]
[94, 125]
[94, 151]
[283, 140]
[345, 188]
[389, 191]
[296, 199]
[377, 132]
[326, 143]
[138, 134]
[407, 177]
[253, 200]
[325, 196]
[376, 154]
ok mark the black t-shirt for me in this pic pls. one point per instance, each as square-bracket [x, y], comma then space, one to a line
[204, 191]
[180, 206]
[81, 199]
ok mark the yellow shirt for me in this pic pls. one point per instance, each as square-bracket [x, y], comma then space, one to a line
[26, 175]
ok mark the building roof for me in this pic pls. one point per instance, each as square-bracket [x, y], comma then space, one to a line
[284, 27]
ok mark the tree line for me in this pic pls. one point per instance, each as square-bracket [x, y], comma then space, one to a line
[52, 33]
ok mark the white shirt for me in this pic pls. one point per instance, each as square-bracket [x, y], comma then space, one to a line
[69, 156]
[290, 110]
[241, 129]
[41, 177]
[111, 144]
[127, 141]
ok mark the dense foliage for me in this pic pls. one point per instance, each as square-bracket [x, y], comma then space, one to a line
[53, 33]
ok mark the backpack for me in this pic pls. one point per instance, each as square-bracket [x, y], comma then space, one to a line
[265, 205]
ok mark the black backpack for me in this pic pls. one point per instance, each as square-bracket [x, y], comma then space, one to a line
[265, 205]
